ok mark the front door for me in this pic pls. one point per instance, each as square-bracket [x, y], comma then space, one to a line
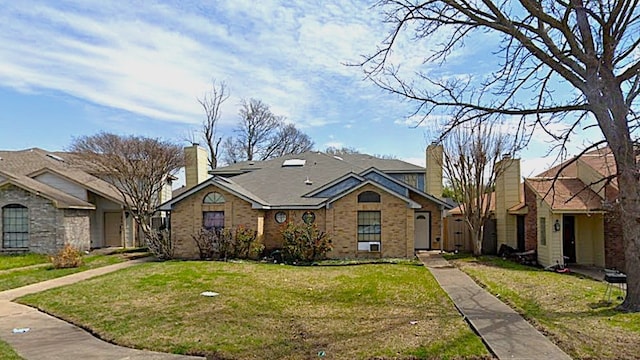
[112, 229]
[569, 238]
[422, 230]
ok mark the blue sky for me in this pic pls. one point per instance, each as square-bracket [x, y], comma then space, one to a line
[73, 68]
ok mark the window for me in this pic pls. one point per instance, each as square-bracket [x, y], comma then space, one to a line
[368, 225]
[15, 227]
[213, 198]
[543, 231]
[308, 217]
[281, 217]
[369, 197]
[213, 220]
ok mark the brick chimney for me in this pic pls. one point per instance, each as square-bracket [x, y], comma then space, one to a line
[433, 175]
[507, 193]
[196, 165]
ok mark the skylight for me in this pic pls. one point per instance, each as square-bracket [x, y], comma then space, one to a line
[55, 157]
[294, 162]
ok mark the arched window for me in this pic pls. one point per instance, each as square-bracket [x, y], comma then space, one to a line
[15, 227]
[213, 198]
[369, 197]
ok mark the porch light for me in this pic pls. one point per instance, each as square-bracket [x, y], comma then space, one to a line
[556, 225]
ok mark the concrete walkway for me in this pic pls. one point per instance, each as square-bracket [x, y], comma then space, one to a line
[504, 331]
[53, 339]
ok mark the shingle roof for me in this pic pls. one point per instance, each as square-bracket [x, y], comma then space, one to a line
[279, 185]
[24, 165]
[568, 194]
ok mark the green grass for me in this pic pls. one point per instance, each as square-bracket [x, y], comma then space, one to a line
[569, 308]
[369, 311]
[22, 277]
[7, 353]
[21, 260]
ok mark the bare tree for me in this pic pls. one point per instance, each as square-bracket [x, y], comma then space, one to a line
[332, 150]
[211, 102]
[573, 61]
[262, 135]
[288, 140]
[138, 167]
[470, 164]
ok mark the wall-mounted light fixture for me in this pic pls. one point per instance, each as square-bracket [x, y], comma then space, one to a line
[556, 225]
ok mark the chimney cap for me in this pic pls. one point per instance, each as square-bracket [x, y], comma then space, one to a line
[506, 156]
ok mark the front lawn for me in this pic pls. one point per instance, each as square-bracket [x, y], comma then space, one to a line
[21, 277]
[267, 311]
[7, 353]
[21, 260]
[568, 308]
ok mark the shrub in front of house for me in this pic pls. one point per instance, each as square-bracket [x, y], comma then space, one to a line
[304, 243]
[224, 244]
[68, 257]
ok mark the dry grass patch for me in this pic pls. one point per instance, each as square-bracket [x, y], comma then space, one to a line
[569, 308]
[270, 311]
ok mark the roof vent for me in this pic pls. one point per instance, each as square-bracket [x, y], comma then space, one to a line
[308, 181]
[55, 157]
[338, 157]
[293, 162]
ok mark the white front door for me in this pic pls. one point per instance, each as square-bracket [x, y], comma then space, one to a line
[422, 230]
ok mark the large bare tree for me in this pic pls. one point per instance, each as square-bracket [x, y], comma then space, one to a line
[570, 61]
[211, 102]
[138, 167]
[262, 135]
[471, 154]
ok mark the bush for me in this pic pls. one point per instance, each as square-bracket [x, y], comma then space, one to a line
[304, 243]
[160, 244]
[224, 244]
[68, 257]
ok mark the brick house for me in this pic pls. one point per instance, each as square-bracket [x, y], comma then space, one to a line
[370, 207]
[564, 212]
[47, 202]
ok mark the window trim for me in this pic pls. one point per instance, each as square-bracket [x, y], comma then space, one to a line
[213, 197]
[23, 236]
[216, 228]
[370, 236]
[368, 197]
[277, 214]
[543, 231]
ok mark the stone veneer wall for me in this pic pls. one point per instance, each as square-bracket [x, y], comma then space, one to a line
[77, 229]
[46, 222]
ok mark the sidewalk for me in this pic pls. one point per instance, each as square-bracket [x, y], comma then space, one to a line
[51, 338]
[504, 331]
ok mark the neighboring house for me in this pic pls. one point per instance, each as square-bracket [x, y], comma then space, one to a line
[47, 202]
[370, 207]
[564, 213]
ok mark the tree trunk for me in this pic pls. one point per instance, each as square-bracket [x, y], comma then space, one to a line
[630, 213]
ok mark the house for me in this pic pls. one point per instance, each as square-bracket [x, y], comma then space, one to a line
[47, 201]
[564, 213]
[370, 207]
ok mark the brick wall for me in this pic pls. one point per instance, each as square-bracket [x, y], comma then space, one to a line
[186, 218]
[530, 219]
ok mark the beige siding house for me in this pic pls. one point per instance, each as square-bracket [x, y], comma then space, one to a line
[564, 213]
[370, 207]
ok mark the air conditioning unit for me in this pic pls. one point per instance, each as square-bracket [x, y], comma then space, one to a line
[374, 246]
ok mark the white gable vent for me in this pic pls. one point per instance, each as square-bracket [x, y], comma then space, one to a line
[293, 162]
